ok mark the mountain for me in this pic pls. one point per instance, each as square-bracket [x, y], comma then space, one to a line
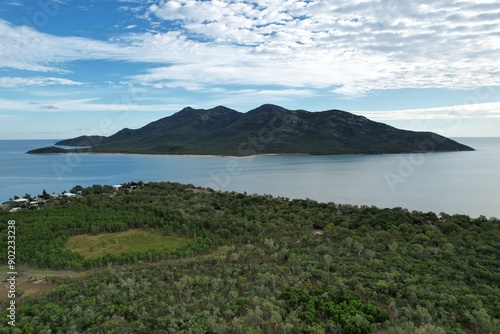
[164, 135]
[268, 129]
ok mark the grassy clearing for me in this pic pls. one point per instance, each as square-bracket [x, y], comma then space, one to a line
[93, 246]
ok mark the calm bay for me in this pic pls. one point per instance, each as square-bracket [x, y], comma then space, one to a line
[454, 182]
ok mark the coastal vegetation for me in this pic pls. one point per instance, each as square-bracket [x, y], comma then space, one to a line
[173, 258]
[268, 129]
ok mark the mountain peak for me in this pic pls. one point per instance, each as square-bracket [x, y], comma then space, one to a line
[221, 108]
[217, 109]
[187, 109]
[268, 107]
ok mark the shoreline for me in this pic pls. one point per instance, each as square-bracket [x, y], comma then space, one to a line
[81, 151]
[183, 155]
[237, 156]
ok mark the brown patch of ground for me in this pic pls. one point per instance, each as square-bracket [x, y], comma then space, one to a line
[34, 282]
[37, 282]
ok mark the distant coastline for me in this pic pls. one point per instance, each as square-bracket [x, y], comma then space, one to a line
[58, 150]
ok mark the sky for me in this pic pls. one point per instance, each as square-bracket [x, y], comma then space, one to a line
[71, 68]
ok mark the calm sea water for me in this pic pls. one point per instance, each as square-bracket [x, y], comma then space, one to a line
[458, 182]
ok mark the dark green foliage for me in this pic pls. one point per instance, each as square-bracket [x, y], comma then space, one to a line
[264, 130]
[48, 150]
[256, 264]
[347, 312]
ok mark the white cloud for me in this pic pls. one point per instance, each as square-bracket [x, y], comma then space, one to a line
[8, 105]
[348, 47]
[10, 82]
[27, 49]
[247, 98]
[81, 105]
[479, 110]
[397, 45]
[14, 3]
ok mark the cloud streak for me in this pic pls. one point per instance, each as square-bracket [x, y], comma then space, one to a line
[83, 105]
[12, 82]
[480, 110]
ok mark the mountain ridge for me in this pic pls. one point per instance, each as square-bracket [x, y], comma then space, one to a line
[267, 129]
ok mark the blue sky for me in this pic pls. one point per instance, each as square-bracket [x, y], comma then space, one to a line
[69, 68]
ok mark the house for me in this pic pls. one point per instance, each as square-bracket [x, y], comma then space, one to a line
[21, 200]
[117, 186]
[69, 195]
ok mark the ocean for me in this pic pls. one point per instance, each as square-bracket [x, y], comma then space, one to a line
[454, 182]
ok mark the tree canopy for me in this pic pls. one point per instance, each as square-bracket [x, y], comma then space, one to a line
[257, 264]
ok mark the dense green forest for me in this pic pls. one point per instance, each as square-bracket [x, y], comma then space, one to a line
[257, 264]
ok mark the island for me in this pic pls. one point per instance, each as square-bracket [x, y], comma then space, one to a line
[268, 129]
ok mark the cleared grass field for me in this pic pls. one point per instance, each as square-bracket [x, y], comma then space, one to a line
[93, 246]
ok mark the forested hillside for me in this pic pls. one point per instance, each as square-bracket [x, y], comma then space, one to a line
[256, 264]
